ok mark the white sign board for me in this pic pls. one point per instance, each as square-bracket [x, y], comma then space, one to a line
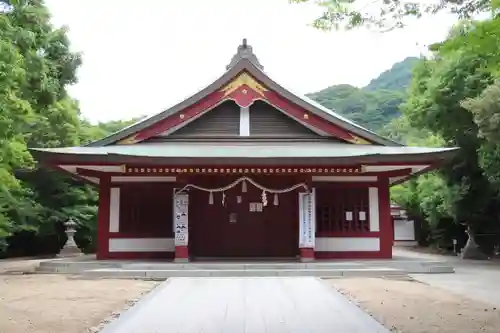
[307, 226]
[181, 218]
[404, 230]
[181, 239]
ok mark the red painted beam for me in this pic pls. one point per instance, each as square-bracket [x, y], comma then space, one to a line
[155, 170]
[72, 175]
[391, 173]
[95, 173]
[429, 168]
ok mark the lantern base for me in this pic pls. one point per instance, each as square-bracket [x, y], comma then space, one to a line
[69, 251]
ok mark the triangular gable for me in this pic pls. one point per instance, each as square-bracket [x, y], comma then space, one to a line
[245, 83]
[221, 121]
[260, 120]
[266, 121]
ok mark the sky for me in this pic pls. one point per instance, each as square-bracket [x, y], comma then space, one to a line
[141, 57]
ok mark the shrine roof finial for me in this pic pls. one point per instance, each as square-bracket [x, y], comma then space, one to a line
[244, 52]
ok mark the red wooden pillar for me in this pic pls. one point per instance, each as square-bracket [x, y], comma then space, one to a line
[181, 253]
[306, 254]
[386, 232]
[103, 218]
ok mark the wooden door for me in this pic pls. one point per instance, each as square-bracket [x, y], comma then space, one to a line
[233, 230]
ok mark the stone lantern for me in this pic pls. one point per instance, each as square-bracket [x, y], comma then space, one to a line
[70, 249]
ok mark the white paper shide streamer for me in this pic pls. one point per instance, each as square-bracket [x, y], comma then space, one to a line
[244, 189]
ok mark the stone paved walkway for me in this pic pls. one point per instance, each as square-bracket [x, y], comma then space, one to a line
[252, 305]
[474, 279]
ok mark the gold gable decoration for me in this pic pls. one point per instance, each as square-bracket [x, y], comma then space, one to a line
[358, 141]
[128, 140]
[241, 79]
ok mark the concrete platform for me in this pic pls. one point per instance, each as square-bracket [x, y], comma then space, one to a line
[89, 267]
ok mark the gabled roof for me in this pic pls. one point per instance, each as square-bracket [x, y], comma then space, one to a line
[245, 61]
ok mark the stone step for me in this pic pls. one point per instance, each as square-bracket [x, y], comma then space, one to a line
[239, 266]
[72, 266]
[166, 273]
[412, 267]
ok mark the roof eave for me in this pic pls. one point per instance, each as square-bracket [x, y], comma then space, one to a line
[50, 157]
[444, 158]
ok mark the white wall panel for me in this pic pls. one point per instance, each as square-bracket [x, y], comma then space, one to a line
[141, 245]
[114, 210]
[345, 244]
[374, 211]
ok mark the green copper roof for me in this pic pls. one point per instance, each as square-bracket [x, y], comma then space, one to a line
[243, 150]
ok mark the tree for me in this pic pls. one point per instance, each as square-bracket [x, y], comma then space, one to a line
[36, 66]
[15, 112]
[486, 111]
[388, 14]
[476, 38]
[372, 109]
[435, 104]
[90, 132]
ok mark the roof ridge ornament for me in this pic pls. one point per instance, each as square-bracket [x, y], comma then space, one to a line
[245, 52]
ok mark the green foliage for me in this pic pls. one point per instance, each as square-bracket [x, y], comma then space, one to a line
[435, 104]
[92, 132]
[372, 109]
[36, 66]
[385, 15]
[436, 115]
[398, 77]
[477, 39]
[375, 105]
[452, 101]
[486, 111]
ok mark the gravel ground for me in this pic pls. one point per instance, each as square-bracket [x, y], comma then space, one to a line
[414, 307]
[59, 303]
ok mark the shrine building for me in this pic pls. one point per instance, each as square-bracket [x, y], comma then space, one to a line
[244, 168]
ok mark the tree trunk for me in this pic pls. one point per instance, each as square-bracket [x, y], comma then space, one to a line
[471, 249]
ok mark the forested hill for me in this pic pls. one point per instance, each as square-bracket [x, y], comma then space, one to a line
[398, 77]
[372, 106]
